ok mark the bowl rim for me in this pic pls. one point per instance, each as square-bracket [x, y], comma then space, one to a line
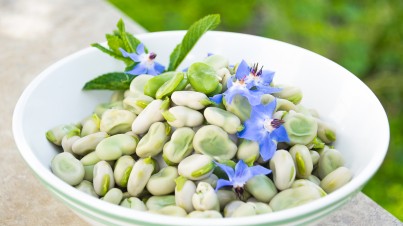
[129, 215]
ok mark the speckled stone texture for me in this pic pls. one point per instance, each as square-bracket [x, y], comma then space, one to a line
[35, 34]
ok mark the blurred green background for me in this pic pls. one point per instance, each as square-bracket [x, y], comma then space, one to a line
[366, 37]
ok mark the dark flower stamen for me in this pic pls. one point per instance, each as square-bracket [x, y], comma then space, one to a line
[239, 192]
[255, 71]
[277, 123]
[152, 56]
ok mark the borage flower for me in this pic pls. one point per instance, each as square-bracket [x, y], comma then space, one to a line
[262, 128]
[240, 87]
[146, 62]
[240, 176]
[261, 79]
[250, 82]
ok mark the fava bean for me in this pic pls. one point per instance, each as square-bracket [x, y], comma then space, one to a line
[103, 178]
[163, 182]
[180, 116]
[113, 147]
[152, 113]
[180, 146]
[283, 169]
[69, 169]
[134, 203]
[184, 191]
[87, 144]
[123, 168]
[196, 167]
[87, 187]
[205, 198]
[141, 173]
[116, 121]
[191, 99]
[152, 143]
[224, 119]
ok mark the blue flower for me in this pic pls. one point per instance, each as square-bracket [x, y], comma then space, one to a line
[262, 128]
[240, 176]
[146, 62]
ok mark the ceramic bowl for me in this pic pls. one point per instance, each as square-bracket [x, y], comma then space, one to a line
[55, 97]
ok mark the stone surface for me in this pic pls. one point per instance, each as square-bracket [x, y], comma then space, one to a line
[35, 34]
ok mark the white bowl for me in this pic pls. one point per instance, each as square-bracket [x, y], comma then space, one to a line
[55, 97]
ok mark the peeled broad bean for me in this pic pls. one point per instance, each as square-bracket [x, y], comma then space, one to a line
[302, 160]
[325, 132]
[123, 168]
[137, 104]
[69, 169]
[329, 161]
[171, 211]
[281, 104]
[152, 143]
[239, 106]
[205, 198]
[305, 182]
[87, 187]
[152, 85]
[248, 151]
[336, 179]
[196, 167]
[261, 187]
[202, 77]
[170, 86]
[261, 207]
[87, 144]
[314, 179]
[114, 147]
[101, 108]
[213, 141]
[56, 134]
[283, 169]
[180, 146]
[141, 173]
[134, 203]
[216, 61]
[301, 129]
[67, 143]
[184, 191]
[90, 159]
[315, 157]
[103, 178]
[290, 93]
[244, 209]
[204, 214]
[117, 95]
[224, 119]
[152, 113]
[225, 197]
[293, 197]
[158, 202]
[191, 99]
[89, 172]
[180, 116]
[231, 207]
[163, 182]
[138, 83]
[211, 180]
[113, 196]
[90, 125]
[116, 121]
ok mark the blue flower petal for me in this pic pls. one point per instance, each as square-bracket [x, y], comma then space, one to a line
[280, 134]
[140, 49]
[268, 89]
[227, 169]
[159, 67]
[138, 70]
[242, 70]
[240, 169]
[252, 131]
[217, 98]
[222, 183]
[267, 109]
[132, 56]
[267, 148]
[266, 77]
[257, 170]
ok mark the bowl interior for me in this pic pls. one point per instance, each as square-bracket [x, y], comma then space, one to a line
[55, 97]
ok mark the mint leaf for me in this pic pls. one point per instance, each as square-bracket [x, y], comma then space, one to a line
[114, 43]
[110, 81]
[190, 39]
[112, 54]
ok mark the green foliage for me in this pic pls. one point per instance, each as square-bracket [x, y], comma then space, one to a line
[363, 36]
[192, 36]
[110, 81]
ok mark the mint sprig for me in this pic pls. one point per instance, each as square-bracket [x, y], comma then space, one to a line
[110, 81]
[190, 39]
[120, 39]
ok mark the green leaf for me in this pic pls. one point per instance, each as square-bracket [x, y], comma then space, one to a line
[111, 53]
[190, 39]
[110, 81]
[130, 43]
[114, 43]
